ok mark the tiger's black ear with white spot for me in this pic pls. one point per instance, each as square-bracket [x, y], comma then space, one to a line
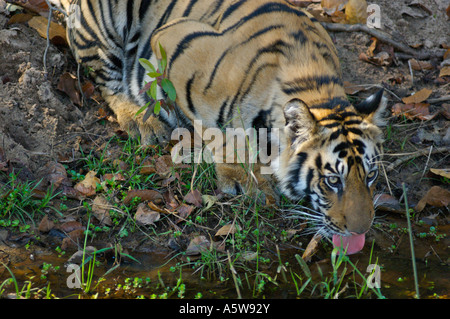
[300, 123]
[372, 108]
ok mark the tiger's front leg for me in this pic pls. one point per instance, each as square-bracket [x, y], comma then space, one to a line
[151, 132]
[238, 178]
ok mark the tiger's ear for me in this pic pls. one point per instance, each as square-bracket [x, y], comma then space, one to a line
[372, 108]
[300, 123]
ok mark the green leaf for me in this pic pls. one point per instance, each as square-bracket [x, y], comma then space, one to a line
[153, 89]
[163, 62]
[168, 87]
[157, 108]
[142, 109]
[154, 74]
[147, 65]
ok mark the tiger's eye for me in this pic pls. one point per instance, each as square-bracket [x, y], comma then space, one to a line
[333, 181]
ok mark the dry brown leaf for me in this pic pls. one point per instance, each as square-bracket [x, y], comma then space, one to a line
[144, 195]
[352, 89]
[197, 245]
[441, 172]
[418, 97]
[419, 111]
[356, 11]
[163, 165]
[331, 7]
[70, 226]
[226, 230]
[184, 211]
[88, 186]
[312, 247]
[46, 225]
[194, 197]
[114, 177]
[420, 65]
[68, 84]
[20, 18]
[88, 89]
[57, 33]
[100, 209]
[445, 71]
[145, 216]
[37, 6]
[436, 196]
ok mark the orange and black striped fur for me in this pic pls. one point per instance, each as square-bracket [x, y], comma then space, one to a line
[242, 64]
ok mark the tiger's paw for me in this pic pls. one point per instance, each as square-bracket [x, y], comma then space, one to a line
[233, 179]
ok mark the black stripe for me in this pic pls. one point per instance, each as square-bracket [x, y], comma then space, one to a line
[331, 104]
[310, 83]
[143, 9]
[295, 173]
[189, 8]
[309, 178]
[188, 94]
[130, 5]
[221, 112]
[341, 146]
[222, 57]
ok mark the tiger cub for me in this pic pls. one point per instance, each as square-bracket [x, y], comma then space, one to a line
[245, 64]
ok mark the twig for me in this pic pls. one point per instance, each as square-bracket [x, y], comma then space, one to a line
[382, 36]
[398, 162]
[50, 13]
[444, 98]
[413, 255]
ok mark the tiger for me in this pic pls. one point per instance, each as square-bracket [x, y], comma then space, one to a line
[243, 64]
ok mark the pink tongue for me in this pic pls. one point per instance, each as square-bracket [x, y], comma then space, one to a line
[353, 243]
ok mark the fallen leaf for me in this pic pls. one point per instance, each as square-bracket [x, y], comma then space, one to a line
[37, 6]
[184, 210]
[312, 247]
[419, 111]
[209, 201]
[55, 174]
[114, 177]
[69, 85]
[448, 11]
[352, 89]
[386, 202]
[73, 240]
[197, 245]
[194, 197]
[441, 172]
[163, 165]
[57, 33]
[420, 65]
[144, 195]
[226, 230]
[88, 186]
[46, 225]
[330, 7]
[70, 226]
[88, 89]
[418, 97]
[356, 11]
[436, 196]
[100, 209]
[145, 216]
[147, 168]
[445, 71]
[20, 18]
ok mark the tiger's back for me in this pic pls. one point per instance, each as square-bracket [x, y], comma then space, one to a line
[244, 64]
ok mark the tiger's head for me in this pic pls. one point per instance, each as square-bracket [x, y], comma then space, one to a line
[332, 156]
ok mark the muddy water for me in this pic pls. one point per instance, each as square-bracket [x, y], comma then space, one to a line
[166, 275]
[157, 275]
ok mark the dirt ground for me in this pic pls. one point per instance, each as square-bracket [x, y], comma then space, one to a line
[40, 124]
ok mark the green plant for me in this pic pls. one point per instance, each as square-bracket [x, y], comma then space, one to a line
[151, 88]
